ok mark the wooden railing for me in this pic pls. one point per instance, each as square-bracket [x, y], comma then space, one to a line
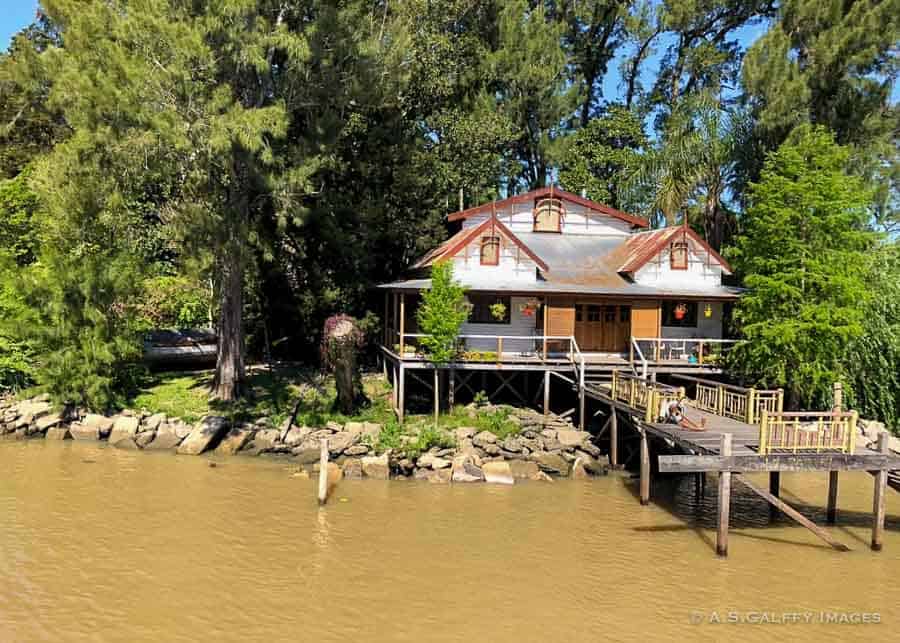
[701, 351]
[807, 432]
[642, 394]
[502, 347]
[737, 402]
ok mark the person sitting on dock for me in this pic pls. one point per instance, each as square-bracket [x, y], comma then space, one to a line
[673, 413]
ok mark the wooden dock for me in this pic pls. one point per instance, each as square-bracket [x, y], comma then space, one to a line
[730, 447]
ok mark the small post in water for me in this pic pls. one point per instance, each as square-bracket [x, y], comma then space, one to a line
[724, 499]
[323, 471]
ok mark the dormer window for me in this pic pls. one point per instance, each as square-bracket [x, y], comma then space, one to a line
[678, 256]
[548, 215]
[490, 250]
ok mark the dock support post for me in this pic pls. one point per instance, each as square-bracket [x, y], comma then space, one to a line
[645, 469]
[580, 407]
[878, 502]
[401, 394]
[437, 397]
[724, 500]
[775, 490]
[546, 394]
[613, 438]
[451, 388]
[831, 516]
[323, 471]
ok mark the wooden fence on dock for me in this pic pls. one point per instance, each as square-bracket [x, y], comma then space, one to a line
[807, 432]
[736, 402]
[643, 395]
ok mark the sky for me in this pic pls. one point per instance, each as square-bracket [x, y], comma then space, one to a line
[14, 16]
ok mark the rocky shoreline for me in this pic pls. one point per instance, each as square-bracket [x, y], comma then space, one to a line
[542, 448]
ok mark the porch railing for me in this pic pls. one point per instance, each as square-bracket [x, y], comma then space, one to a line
[540, 346]
[737, 402]
[701, 350]
[807, 432]
[643, 395]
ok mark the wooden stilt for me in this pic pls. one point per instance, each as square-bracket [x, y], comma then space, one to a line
[546, 394]
[395, 398]
[451, 388]
[580, 407]
[437, 399]
[698, 485]
[775, 490]
[831, 516]
[613, 438]
[401, 394]
[878, 501]
[724, 500]
[645, 469]
[323, 471]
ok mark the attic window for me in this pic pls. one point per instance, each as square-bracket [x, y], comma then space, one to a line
[678, 256]
[490, 250]
[548, 214]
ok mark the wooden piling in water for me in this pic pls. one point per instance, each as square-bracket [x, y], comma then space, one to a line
[878, 501]
[323, 471]
[724, 500]
[831, 515]
[775, 490]
[645, 469]
[613, 438]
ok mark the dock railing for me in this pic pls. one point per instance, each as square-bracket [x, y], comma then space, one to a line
[736, 402]
[807, 432]
[500, 348]
[642, 394]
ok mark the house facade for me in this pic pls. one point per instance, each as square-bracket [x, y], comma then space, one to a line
[549, 264]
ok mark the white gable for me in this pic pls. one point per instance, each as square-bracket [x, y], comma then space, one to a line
[518, 217]
[513, 265]
[702, 271]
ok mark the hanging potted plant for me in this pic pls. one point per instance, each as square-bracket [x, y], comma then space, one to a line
[498, 311]
[680, 311]
[530, 307]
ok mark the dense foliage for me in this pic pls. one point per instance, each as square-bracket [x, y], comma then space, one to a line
[805, 254]
[441, 314]
[260, 165]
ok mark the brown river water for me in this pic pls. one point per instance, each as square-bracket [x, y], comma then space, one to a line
[98, 544]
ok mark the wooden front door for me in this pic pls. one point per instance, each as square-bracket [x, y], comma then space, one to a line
[602, 327]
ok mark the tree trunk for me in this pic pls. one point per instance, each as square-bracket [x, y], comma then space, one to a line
[229, 378]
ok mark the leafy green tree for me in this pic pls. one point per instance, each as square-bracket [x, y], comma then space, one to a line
[441, 314]
[603, 154]
[873, 359]
[804, 252]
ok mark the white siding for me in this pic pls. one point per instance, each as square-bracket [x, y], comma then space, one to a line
[699, 275]
[578, 220]
[520, 325]
[707, 327]
[514, 265]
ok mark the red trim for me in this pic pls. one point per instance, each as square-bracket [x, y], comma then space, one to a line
[477, 230]
[640, 260]
[557, 193]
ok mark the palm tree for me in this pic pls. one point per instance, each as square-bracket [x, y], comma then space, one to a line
[694, 165]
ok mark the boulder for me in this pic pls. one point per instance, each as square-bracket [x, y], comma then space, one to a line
[235, 439]
[511, 444]
[578, 470]
[333, 427]
[153, 422]
[497, 472]
[144, 438]
[377, 467]
[340, 441]
[551, 463]
[523, 469]
[464, 470]
[356, 449]
[47, 421]
[58, 433]
[492, 449]
[550, 434]
[306, 455]
[484, 438]
[205, 432]
[356, 428]
[262, 442]
[572, 438]
[123, 432]
[432, 461]
[594, 466]
[464, 433]
[165, 438]
[591, 449]
[296, 435]
[182, 429]
[102, 424]
[438, 476]
[80, 431]
[352, 469]
[371, 429]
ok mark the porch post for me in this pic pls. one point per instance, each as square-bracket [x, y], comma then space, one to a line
[402, 323]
